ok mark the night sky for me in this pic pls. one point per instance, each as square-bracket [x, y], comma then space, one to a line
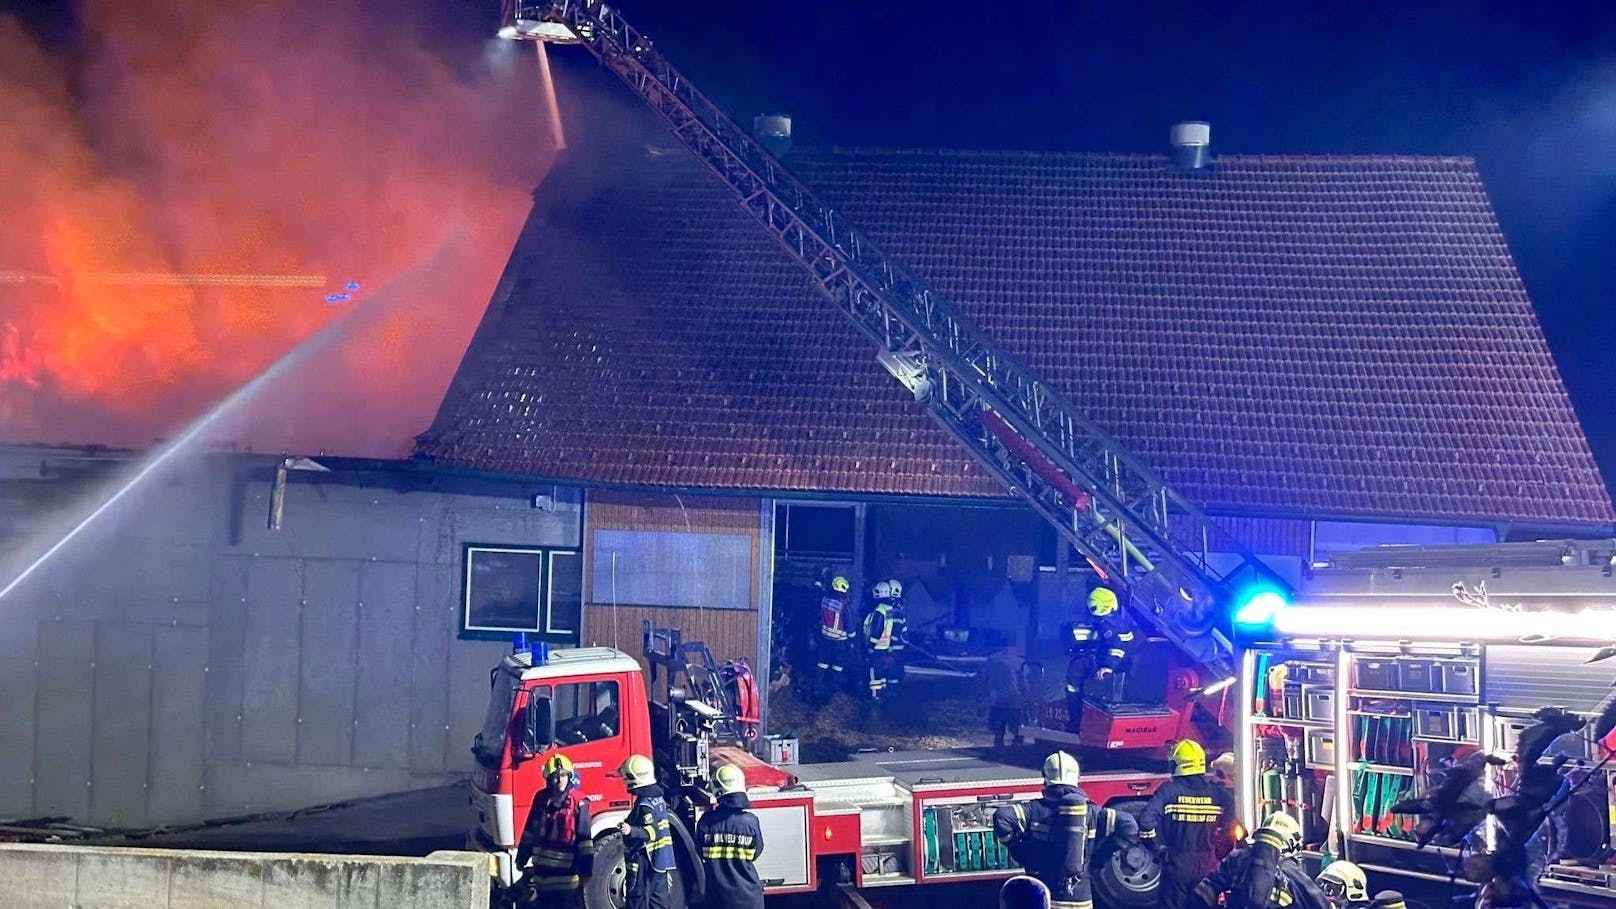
[1527, 89]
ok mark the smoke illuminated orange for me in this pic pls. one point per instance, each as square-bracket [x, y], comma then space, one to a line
[191, 138]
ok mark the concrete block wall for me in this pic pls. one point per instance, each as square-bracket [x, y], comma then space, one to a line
[84, 877]
[180, 661]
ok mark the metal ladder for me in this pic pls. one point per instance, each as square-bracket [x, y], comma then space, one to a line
[1178, 567]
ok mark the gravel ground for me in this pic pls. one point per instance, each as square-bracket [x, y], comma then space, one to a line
[927, 715]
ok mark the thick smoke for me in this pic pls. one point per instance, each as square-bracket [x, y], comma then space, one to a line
[296, 137]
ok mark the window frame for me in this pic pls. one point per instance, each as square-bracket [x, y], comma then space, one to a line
[542, 611]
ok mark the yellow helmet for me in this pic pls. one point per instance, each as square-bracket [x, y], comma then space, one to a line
[1061, 769]
[731, 779]
[1344, 881]
[1188, 758]
[1102, 601]
[1281, 831]
[839, 584]
[557, 763]
[637, 771]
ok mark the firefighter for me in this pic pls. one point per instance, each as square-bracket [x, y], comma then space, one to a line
[878, 627]
[1006, 694]
[1391, 899]
[1080, 667]
[647, 838]
[1262, 875]
[1186, 820]
[835, 636]
[731, 841]
[1055, 836]
[1115, 637]
[900, 631]
[557, 840]
[1344, 885]
[1223, 770]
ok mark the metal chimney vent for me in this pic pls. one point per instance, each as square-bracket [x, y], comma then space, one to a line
[1192, 145]
[774, 131]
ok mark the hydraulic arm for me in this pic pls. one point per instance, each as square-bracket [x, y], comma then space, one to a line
[1178, 567]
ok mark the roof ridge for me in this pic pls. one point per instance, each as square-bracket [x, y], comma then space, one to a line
[1461, 160]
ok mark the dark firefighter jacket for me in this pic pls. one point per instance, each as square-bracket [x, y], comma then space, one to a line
[731, 840]
[1115, 637]
[1054, 838]
[1258, 877]
[557, 837]
[650, 832]
[1186, 820]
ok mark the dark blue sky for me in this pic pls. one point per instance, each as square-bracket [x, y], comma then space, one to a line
[1527, 89]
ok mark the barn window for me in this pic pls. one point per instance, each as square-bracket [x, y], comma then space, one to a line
[531, 589]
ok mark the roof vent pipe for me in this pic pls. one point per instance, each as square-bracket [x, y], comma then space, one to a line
[774, 131]
[1192, 145]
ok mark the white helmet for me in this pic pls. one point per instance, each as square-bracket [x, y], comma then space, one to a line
[1281, 831]
[731, 779]
[882, 590]
[897, 588]
[1061, 769]
[1344, 882]
[637, 771]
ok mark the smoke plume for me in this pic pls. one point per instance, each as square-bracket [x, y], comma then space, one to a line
[181, 138]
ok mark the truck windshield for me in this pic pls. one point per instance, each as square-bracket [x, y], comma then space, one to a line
[497, 721]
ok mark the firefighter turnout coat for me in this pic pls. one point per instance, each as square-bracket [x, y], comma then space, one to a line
[1258, 877]
[1185, 821]
[1055, 837]
[649, 857]
[731, 840]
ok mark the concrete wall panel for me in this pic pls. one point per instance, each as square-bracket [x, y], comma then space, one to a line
[386, 638]
[270, 680]
[121, 755]
[178, 730]
[115, 879]
[328, 651]
[436, 616]
[469, 664]
[208, 880]
[65, 703]
[288, 787]
[227, 645]
[19, 641]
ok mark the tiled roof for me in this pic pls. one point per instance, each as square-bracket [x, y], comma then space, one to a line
[1295, 336]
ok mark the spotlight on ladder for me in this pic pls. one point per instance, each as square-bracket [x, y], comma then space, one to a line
[908, 368]
[526, 22]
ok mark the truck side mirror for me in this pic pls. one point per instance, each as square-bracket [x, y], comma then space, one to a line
[538, 727]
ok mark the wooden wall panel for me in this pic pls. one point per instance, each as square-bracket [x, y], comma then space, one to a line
[729, 633]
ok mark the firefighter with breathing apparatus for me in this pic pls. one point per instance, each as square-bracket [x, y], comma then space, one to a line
[731, 840]
[557, 841]
[1115, 636]
[900, 631]
[1263, 875]
[879, 634]
[647, 838]
[1186, 820]
[1344, 885]
[835, 637]
[1054, 837]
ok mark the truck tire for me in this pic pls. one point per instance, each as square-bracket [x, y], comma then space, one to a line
[1126, 877]
[608, 885]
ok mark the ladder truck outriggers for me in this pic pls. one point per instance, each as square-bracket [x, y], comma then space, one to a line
[900, 820]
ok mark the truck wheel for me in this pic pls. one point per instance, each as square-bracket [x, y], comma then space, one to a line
[608, 885]
[1126, 877]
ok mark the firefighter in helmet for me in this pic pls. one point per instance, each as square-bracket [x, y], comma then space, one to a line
[1344, 885]
[647, 837]
[731, 841]
[835, 636]
[1055, 836]
[1263, 875]
[900, 631]
[879, 633]
[1185, 821]
[1080, 666]
[1115, 637]
[557, 840]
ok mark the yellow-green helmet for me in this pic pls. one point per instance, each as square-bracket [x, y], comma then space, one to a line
[1281, 831]
[637, 771]
[557, 763]
[731, 779]
[1188, 758]
[839, 584]
[1102, 601]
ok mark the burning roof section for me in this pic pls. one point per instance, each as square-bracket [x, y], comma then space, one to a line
[1290, 336]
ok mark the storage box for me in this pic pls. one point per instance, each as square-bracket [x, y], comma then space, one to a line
[1293, 701]
[1377, 674]
[782, 751]
[1415, 676]
[1436, 723]
[1467, 723]
[1318, 703]
[1321, 747]
[1457, 676]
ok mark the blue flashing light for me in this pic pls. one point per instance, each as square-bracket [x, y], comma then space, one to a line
[351, 286]
[520, 644]
[1259, 608]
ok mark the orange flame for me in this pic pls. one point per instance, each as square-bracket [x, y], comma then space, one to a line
[259, 137]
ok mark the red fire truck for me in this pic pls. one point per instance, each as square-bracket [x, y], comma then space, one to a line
[877, 820]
